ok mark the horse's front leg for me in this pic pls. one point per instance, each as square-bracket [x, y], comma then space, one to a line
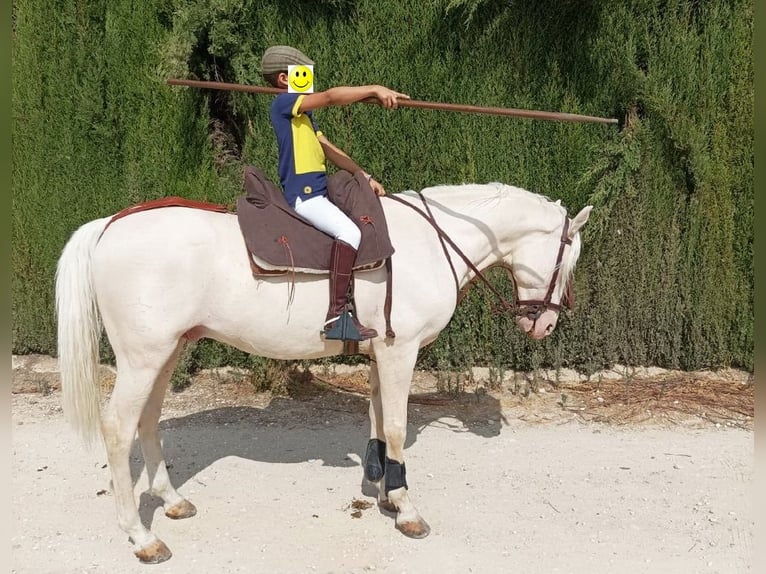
[375, 454]
[394, 370]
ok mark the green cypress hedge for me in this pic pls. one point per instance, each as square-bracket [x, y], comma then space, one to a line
[666, 274]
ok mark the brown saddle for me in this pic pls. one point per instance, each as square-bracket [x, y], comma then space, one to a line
[280, 240]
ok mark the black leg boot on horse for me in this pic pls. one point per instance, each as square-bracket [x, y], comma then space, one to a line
[341, 322]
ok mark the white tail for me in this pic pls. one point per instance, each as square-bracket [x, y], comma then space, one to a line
[79, 330]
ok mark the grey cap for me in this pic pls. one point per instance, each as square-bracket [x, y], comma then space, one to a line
[277, 58]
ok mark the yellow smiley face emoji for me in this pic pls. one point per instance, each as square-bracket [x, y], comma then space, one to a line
[300, 79]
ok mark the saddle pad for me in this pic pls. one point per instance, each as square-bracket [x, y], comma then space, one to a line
[278, 238]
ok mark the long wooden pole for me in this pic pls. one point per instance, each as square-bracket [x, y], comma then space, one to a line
[534, 114]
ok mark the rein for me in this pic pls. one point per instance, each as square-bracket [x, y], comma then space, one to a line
[531, 308]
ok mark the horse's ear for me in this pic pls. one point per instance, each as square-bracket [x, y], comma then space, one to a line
[558, 202]
[579, 220]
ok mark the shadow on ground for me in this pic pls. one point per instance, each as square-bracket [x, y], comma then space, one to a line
[320, 424]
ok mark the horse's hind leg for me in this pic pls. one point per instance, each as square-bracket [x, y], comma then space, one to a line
[136, 376]
[175, 505]
[395, 369]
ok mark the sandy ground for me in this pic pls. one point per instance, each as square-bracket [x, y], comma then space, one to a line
[508, 484]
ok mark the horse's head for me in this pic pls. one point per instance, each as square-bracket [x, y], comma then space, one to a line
[542, 264]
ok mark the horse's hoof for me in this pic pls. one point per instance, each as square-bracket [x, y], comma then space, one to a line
[414, 529]
[183, 509]
[155, 553]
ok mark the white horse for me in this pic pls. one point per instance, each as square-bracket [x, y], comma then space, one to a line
[156, 279]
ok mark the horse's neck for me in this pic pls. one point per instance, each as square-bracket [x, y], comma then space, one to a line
[486, 221]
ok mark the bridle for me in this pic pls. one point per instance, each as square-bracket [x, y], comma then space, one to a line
[531, 309]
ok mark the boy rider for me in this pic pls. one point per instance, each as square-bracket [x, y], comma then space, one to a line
[303, 149]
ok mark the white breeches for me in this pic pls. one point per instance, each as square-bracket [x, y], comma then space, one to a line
[326, 216]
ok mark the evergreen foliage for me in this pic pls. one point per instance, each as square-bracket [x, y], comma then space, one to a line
[666, 273]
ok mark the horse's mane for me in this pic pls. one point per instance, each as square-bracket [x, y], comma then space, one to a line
[490, 194]
[569, 260]
[482, 193]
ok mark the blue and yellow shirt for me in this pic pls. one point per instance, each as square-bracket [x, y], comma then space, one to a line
[302, 170]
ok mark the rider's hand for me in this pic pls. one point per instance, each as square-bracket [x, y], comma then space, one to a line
[388, 98]
[377, 187]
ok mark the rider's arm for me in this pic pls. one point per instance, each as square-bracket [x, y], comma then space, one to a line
[343, 95]
[343, 161]
[338, 156]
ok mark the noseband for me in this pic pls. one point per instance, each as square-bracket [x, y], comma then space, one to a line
[531, 309]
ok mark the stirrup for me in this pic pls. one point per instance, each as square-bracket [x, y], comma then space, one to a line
[343, 329]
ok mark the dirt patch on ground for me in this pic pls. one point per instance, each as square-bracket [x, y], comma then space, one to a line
[724, 398]
[721, 398]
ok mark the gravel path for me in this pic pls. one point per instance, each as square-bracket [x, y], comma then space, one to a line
[275, 481]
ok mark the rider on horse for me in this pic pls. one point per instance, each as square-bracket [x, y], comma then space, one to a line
[303, 149]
